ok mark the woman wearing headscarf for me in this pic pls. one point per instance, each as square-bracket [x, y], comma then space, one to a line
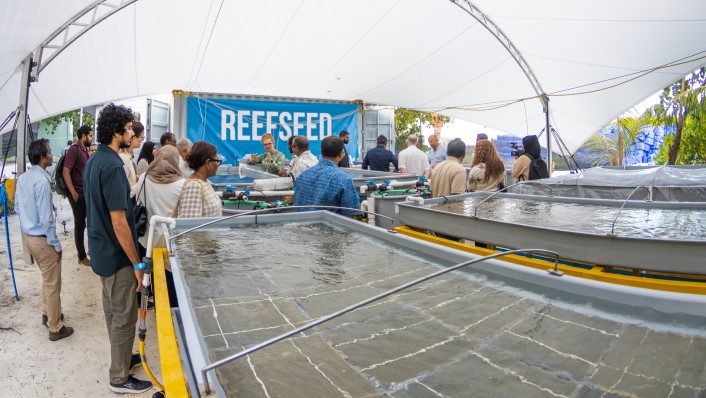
[487, 170]
[146, 157]
[159, 189]
[198, 199]
[521, 168]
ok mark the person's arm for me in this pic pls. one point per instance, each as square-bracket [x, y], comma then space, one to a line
[427, 168]
[473, 178]
[520, 168]
[365, 161]
[45, 213]
[394, 162]
[124, 235]
[69, 163]
[349, 198]
[403, 162]
[279, 162]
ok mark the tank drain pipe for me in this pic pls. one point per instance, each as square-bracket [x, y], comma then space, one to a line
[146, 282]
[417, 199]
[319, 321]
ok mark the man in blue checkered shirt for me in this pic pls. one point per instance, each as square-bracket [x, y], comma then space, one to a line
[324, 184]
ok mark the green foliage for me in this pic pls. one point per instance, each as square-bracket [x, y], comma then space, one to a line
[681, 104]
[407, 122]
[692, 148]
[71, 117]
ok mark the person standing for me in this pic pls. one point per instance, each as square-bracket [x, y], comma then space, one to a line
[303, 158]
[197, 197]
[437, 153]
[127, 153]
[379, 158]
[346, 161]
[272, 160]
[184, 147]
[326, 185]
[167, 139]
[412, 160]
[34, 205]
[523, 163]
[66, 148]
[145, 157]
[74, 163]
[487, 170]
[450, 175]
[112, 239]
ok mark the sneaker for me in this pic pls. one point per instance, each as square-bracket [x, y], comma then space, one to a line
[135, 361]
[85, 261]
[45, 319]
[131, 386]
[65, 331]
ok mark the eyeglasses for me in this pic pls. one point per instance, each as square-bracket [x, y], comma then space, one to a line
[218, 161]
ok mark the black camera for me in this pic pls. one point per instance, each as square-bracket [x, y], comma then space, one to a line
[518, 151]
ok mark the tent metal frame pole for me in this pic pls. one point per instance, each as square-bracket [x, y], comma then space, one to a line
[27, 79]
[72, 29]
[545, 103]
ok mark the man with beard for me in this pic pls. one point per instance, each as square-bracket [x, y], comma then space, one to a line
[112, 240]
[76, 157]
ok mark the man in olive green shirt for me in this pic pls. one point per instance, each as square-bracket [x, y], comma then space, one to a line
[272, 160]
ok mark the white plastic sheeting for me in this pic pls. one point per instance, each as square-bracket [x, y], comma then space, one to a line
[429, 55]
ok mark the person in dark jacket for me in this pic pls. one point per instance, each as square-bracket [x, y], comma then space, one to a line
[379, 158]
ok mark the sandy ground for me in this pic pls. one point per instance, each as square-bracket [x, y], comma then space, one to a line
[33, 366]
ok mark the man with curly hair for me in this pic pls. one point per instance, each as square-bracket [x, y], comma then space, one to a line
[112, 241]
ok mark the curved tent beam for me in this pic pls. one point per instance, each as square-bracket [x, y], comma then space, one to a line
[505, 41]
[69, 32]
[495, 30]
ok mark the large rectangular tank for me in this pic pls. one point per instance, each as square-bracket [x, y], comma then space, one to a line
[655, 236]
[245, 280]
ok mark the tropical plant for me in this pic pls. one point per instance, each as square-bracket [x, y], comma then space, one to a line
[609, 152]
[72, 117]
[692, 148]
[681, 104]
[408, 122]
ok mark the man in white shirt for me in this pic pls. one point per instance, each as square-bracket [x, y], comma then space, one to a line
[184, 147]
[412, 160]
[304, 158]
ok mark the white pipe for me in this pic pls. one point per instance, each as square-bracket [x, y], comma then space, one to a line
[270, 193]
[418, 199]
[363, 189]
[171, 223]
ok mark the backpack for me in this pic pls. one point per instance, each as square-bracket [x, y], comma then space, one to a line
[57, 179]
[538, 168]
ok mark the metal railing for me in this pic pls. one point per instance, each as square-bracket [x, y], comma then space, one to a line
[649, 199]
[475, 208]
[363, 303]
[274, 210]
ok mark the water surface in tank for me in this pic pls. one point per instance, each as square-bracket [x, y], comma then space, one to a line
[679, 224]
[461, 334]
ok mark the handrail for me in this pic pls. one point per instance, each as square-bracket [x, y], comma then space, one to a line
[649, 199]
[475, 208]
[348, 309]
[275, 209]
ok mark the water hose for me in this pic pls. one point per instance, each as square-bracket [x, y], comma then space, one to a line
[4, 199]
[146, 282]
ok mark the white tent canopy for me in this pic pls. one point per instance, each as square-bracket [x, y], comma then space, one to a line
[594, 59]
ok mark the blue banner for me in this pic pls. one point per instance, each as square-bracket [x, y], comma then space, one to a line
[236, 126]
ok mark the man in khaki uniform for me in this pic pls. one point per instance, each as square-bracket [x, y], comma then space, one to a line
[450, 176]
